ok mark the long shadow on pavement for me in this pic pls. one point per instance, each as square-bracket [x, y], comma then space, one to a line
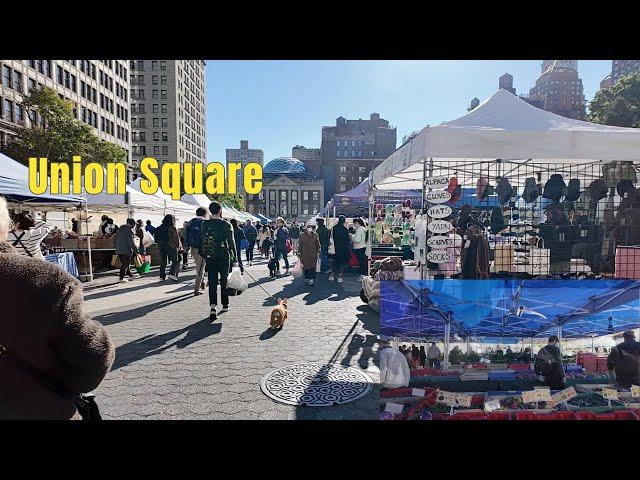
[128, 313]
[154, 344]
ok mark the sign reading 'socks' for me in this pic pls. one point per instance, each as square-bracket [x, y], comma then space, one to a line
[439, 256]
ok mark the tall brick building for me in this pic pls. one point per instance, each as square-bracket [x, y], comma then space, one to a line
[559, 89]
[351, 149]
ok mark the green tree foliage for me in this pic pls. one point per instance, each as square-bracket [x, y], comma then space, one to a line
[618, 105]
[235, 200]
[62, 136]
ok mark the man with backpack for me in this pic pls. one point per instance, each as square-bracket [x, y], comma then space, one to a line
[251, 234]
[194, 242]
[548, 365]
[219, 251]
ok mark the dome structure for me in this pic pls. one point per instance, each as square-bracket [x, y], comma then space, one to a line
[285, 166]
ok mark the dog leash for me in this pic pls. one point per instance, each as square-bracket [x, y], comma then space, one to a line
[260, 285]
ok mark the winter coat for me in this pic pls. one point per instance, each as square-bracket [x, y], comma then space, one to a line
[625, 360]
[309, 249]
[43, 326]
[324, 234]
[125, 244]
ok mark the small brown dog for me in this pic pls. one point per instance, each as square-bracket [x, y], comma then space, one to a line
[279, 314]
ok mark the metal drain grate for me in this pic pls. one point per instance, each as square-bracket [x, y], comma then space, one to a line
[316, 385]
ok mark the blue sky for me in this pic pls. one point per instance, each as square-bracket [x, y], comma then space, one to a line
[278, 104]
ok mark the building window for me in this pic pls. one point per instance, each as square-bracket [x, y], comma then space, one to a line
[272, 194]
[165, 137]
[315, 196]
[154, 65]
[165, 150]
[163, 65]
[294, 196]
[163, 108]
[283, 195]
[305, 196]
[164, 122]
[163, 79]
[338, 143]
[156, 136]
[6, 76]
[156, 150]
[7, 111]
[338, 153]
[156, 122]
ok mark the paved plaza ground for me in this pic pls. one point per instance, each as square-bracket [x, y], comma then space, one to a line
[172, 362]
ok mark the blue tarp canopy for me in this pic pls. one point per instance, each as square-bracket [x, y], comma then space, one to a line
[14, 186]
[264, 220]
[510, 307]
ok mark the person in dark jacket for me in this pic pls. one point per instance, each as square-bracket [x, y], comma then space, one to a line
[167, 238]
[323, 235]
[140, 235]
[150, 228]
[251, 234]
[184, 251]
[548, 365]
[194, 243]
[340, 236]
[126, 248]
[624, 360]
[281, 235]
[238, 236]
[294, 234]
[50, 349]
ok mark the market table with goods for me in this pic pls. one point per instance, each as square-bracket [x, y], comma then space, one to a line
[507, 392]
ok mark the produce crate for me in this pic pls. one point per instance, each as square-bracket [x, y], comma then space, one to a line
[499, 416]
[103, 243]
[557, 416]
[525, 415]
[470, 415]
[602, 365]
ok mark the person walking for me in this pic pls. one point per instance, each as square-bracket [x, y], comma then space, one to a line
[324, 234]
[359, 239]
[27, 235]
[150, 228]
[340, 236]
[194, 244]
[251, 234]
[139, 231]
[423, 356]
[184, 252]
[624, 360]
[240, 241]
[308, 252]
[294, 235]
[262, 235]
[167, 238]
[219, 251]
[51, 351]
[126, 249]
[281, 236]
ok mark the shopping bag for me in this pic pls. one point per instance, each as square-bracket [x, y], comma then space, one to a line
[332, 245]
[147, 239]
[244, 244]
[289, 246]
[115, 261]
[138, 261]
[319, 264]
[353, 260]
[298, 270]
[236, 280]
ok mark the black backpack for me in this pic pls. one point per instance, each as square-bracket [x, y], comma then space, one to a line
[573, 190]
[214, 242]
[554, 188]
[161, 236]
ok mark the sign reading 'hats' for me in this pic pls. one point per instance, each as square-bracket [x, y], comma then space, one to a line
[438, 196]
[439, 241]
[439, 211]
[439, 226]
[436, 182]
[439, 256]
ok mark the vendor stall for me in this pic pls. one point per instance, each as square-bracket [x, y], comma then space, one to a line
[510, 189]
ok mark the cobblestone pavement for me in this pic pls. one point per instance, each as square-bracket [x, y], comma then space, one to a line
[172, 362]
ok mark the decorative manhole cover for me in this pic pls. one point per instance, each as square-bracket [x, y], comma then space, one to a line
[316, 385]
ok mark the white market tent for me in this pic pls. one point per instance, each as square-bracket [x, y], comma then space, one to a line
[507, 128]
[204, 201]
[14, 185]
